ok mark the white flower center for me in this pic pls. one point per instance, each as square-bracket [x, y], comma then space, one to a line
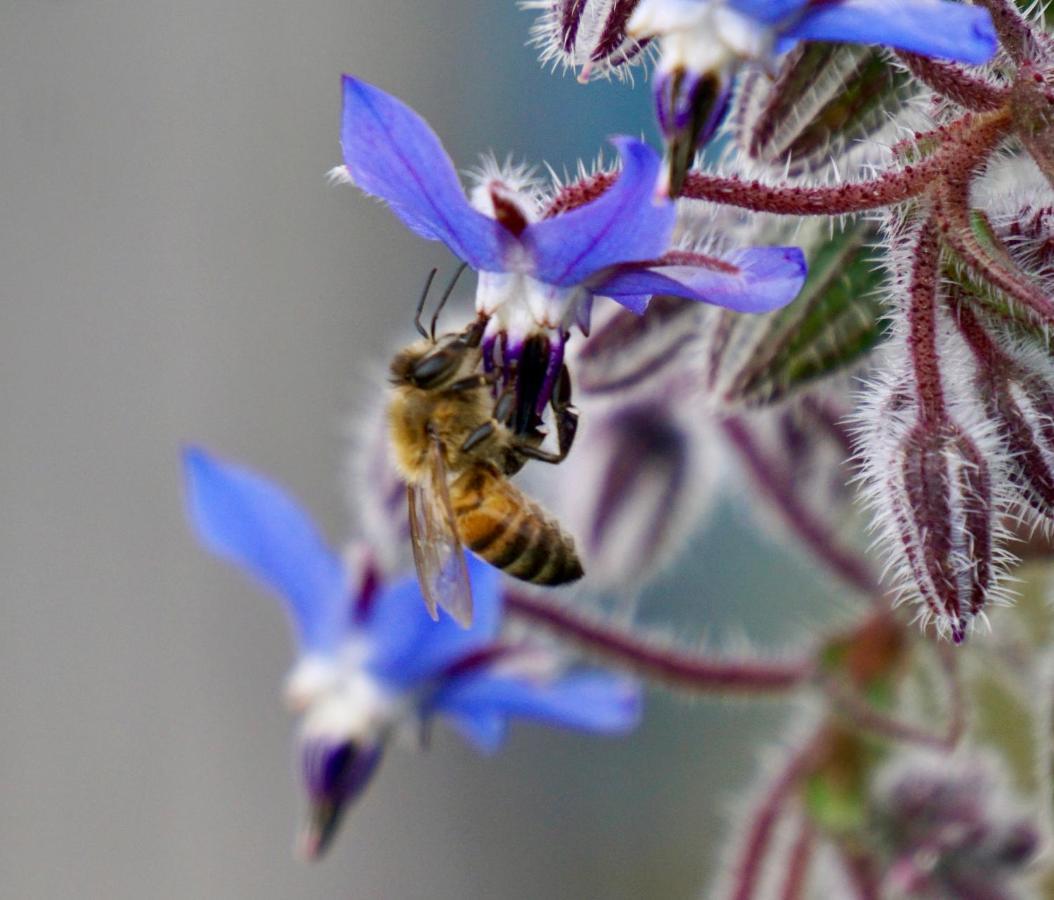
[354, 708]
[520, 305]
[697, 36]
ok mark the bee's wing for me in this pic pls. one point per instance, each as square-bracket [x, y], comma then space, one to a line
[438, 555]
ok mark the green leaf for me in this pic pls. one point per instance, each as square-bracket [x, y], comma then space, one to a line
[824, 98]
[832, 325]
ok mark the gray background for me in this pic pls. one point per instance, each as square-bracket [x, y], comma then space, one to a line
[176, 267]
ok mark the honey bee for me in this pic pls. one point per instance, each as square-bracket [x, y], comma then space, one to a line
[456, 447]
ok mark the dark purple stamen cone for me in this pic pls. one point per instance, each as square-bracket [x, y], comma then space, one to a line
[690, 107]
[334, 774]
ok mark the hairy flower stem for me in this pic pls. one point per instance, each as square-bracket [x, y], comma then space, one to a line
[810, 530]
[801, 853]
[749, 863]
[687, 671]
[1014, 33]
[955, 83]
[922, 327]
[791, 200]
[867, 718]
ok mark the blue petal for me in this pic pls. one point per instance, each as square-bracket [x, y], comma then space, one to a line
[391, 152]
[768, 278]
[589, 701]
[408, 647]
[247, 520]
[930, 27]
[624, 223]
[484, 731]
[768, 11]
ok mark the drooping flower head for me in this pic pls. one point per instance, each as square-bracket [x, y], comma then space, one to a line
[541, 264]
[370, 659]
[703, 43]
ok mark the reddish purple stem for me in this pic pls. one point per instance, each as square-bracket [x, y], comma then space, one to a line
[798, 862]
[955, 83]
[922, 325]
[750, 863]
[887, 190]
[690, 671]
[810, 530]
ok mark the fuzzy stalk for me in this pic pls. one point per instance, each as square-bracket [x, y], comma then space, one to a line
[792, 200]
[955, 83]
[798, 861]
[814, 533]
[1014, 32]
[749, 863]
[679, 668]
[922, 327]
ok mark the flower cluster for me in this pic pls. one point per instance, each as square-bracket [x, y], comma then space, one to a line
[842, 318]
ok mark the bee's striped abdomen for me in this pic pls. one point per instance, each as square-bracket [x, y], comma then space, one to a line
[500, 523]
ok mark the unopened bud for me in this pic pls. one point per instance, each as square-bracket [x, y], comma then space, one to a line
[627, 351]
[642, 483]
[1016, 386]
[947, 828]
[944, 497]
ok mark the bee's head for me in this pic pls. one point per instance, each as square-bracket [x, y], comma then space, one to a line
[433, 365]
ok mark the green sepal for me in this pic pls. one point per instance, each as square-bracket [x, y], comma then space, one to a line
[823, 99]
[836, 320]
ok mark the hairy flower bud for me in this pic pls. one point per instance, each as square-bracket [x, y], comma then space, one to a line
[639, 480]
[626, 352]
[1016, 385]
[947, 828]
[585, 34]
[939, 506]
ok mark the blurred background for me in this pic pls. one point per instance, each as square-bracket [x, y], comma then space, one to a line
[176, 267]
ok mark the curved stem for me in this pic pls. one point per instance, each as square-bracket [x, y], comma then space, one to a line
[750, 861]
[677, 667]
[798, 861]
[988, 258]
[792, 200]
[955, 83]
[808, 528]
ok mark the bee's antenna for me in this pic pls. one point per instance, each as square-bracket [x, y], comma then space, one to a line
[421, 306]
[446, 296]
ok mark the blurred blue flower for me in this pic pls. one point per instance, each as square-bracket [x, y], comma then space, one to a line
[539, 269]
[370, 658]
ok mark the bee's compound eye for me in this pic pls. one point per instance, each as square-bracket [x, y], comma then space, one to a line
[436, 367]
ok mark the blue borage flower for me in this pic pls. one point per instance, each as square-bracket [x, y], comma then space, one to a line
[705, 34]
[539, 272]
[702, 43]
[370, 658]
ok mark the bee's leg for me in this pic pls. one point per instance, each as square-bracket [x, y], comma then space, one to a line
[483, 379]
[478, 436]
[565, 415]
[504, 410]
